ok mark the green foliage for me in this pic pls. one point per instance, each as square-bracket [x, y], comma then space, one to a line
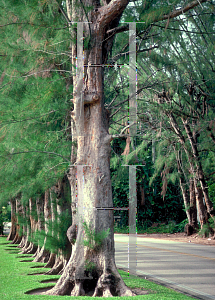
[35, 146]
[207, 229]
[171, 227]
[89, 265]
[211, 191]
[94, 240]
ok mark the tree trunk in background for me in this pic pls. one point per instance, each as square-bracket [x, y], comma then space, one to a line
[17, 238]
[43, 255]
[184, 189]
[200, 173]
[203, 218]
[12, 233]
[61, 206]
[193, 210]
[40, 221]
[24, 226]
[53, 209]
[33, 226]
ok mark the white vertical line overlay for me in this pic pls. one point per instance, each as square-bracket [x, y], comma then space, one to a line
[132, 133]
[132, 80]
[132, 246]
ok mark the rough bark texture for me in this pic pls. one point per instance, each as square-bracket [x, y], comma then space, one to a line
[51, 261]
[92, 266]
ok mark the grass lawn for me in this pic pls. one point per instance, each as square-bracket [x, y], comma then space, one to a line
[14, 281]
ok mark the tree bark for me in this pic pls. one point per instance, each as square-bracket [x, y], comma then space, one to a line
[43, 255]
[94, 188]
[17, 238]
[12, 233]
[193, 209]
[40, 221]
[24, 226]
[32, 248]
[200, 172]
[200, 206]
[62, 206]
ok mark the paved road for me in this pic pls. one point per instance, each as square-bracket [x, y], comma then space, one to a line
[186, 267]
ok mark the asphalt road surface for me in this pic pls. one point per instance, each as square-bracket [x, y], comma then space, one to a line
[186, 267]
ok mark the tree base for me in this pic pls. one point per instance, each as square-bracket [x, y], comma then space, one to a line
[107, 284]
[51, 261]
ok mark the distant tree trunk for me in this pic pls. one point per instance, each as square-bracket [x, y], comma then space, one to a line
[52, 258]
[43, 255]
[40, 221]
[24, 226]
[193, 210]
[200, 173]
[12, 233]
[203, 218]
[17, 238]
[32, 248]
[61, 205]
[183, 186]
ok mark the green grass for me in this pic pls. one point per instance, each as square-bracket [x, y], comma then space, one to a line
[14, 281]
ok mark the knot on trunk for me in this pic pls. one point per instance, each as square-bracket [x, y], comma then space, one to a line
[71, 234]
[91, 97]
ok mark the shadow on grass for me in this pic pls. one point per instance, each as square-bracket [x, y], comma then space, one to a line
[49, 280]
[39, 290]
[26, 260]
[36, 273]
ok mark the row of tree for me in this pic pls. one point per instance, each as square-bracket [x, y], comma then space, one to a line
[58, 181]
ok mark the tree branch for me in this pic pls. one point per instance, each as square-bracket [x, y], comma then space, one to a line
[121, 133]
[180, 11]
[118, 29]
[31, 151]
[111, 11]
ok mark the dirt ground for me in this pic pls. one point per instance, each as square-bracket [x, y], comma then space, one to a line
[181, 237]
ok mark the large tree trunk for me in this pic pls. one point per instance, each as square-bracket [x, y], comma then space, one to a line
[92, 263]
[12, 233]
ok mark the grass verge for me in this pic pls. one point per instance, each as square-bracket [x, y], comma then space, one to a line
[15, 281]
